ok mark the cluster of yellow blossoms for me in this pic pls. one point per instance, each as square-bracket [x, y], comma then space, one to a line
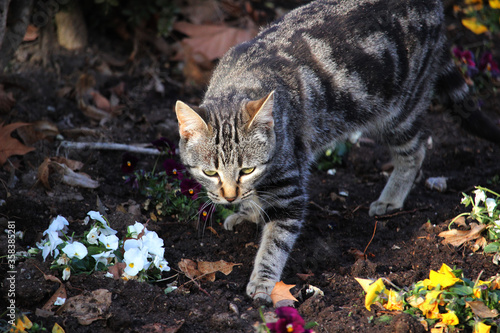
[429, 297]
[472, 23]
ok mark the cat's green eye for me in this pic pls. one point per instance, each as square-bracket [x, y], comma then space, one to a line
[247, 171]
[210, 173]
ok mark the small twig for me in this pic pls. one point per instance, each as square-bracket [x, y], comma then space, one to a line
[152, 304]
[138, 148]
[373, 235]
[390, 282]
[331, 212]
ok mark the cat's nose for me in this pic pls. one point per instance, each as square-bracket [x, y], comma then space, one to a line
[230, 199]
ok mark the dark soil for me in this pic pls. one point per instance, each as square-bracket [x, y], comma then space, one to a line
[403, 249]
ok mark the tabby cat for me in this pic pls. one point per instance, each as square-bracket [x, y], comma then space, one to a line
[319, 74]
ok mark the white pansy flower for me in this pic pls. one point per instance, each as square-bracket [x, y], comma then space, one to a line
[63, 260]
[105, 228]
[94, 215]
[110, 242]
[490, 205]
[75, 249]
[93, 236]
[57, 224]
[135, 260]
[66, 273]
[136, 229]
[480, 196]
[132, 244]
[50, 245]
[161, 264]
[153, 243]
[103, 257]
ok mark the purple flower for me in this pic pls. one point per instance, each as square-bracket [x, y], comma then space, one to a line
[488, 64]
[133, 181]
[464, 56]
[289, 320]
[467, 60]
[205, 211]
[129, 162]
[173, 168]
[190, 188]
[164, 144]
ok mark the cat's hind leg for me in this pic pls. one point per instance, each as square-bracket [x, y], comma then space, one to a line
[407, 156]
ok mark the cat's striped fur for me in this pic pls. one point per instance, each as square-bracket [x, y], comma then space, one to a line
[321, 73]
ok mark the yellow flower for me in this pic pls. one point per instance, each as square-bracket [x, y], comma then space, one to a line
[394, 302]
[477, 289]
[444, 277]
[495, 284]
[449, 318]
[372, 289]
[474, 26]
[495, 4]
[430, 306]
[481, 327]
[22, 323]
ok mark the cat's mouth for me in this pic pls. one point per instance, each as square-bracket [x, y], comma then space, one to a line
[218, 199]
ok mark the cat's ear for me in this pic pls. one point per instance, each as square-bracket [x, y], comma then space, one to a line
[261, 111]
[190, 122]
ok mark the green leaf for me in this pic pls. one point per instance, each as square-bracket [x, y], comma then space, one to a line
[492, 247]
[461, 290]
[310, 325]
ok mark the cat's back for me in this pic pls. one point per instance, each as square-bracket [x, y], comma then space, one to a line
[382, 41]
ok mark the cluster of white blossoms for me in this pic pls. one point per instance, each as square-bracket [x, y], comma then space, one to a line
[142, 248]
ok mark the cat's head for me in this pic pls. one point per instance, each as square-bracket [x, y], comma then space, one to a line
[227, 152]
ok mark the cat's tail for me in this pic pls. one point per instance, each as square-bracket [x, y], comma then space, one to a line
[464, 108]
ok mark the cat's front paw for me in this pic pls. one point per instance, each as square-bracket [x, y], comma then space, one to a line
[232, 220]
[380, 207]
[260, 289]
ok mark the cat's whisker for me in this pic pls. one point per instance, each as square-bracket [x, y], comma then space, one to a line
[262, 213]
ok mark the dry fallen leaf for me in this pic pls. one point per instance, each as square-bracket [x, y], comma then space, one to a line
[281, 292]
[39, 130]
[31, 33]
[205, 269]
[10, 146]
[213, 41]
[66, 168]
[189, 268]
[117, 270]
[90, 307]
[60, 292]
[90, 101]
[481, 310]
[459, 237]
